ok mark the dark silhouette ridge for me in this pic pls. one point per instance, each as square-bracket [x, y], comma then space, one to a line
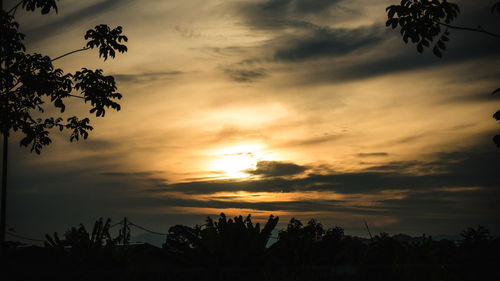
[426, 23]
[29, 81]
[235, 249]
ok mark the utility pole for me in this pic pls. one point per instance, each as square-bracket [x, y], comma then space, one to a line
[4, 189]
[5, 134]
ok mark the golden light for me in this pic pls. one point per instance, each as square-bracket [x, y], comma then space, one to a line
[234, 161]
[234, 165]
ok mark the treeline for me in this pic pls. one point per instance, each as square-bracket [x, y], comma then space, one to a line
[237, 249]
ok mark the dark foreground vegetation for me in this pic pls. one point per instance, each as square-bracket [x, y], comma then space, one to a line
[237, 249]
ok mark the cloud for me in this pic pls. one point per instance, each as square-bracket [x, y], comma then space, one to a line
[457, 189]
[320, 42]
[245, 75]
[42, 31]
[276, 169]
[147, 76]
[313, 140]
[373, 154]
[458, 169]
[98, 145]
[297, 6]
[274, 14]
[186, 32]
[299, 32]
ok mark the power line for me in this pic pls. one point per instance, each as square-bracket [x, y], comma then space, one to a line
[120, 222]
[145, 229]
[24, 237]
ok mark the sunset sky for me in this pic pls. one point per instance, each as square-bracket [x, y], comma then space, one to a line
[296, 108]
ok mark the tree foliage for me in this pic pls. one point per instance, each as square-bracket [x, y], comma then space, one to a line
[225, 241]
[30, 82]
[226, 249]
[422, 21]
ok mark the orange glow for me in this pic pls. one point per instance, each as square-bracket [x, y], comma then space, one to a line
[233, 161]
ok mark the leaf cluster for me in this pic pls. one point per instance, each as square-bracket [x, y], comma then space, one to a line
[80, 246]
[495, 8]
[80, 238]
[44, 5]
[496, 115]
[107, 40]
[421, 21]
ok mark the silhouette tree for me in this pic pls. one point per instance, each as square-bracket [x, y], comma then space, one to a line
[79, 246]
[427, 24]
[30, 81]
[229, 242]
[472, 236]
[235, 241]
[298, 244]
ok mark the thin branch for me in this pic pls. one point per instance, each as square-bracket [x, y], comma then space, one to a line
[72, 52]
[70, 95]
[14, 9]
[471, 29]
[75, 96]
[12, 88]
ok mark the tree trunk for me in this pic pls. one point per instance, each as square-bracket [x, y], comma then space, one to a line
[4, 191]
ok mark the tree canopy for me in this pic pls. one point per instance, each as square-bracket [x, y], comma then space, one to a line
[30, 82]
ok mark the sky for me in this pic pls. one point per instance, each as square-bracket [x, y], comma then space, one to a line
[295, 108]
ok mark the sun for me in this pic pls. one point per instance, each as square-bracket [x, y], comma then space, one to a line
[233, 162]
[234, 165]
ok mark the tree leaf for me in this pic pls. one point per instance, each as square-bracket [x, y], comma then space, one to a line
[496, 140]
[437, 52]
[497, 115]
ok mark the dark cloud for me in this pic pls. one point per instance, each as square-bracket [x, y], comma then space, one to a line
[147, 76]
[313, 6]
[276, 169]
[321, 42]
[407, 60]
[442, 211]
[404, 166]
[296, 39]
[274, 14]
[296, 7]
[458, 169]
[314, 140]
[97, 145]
[373, 154]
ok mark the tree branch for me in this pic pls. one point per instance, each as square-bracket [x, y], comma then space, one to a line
[72, 52]
[13, 10]
[470, 29]
[75, 96]
[11, 88]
